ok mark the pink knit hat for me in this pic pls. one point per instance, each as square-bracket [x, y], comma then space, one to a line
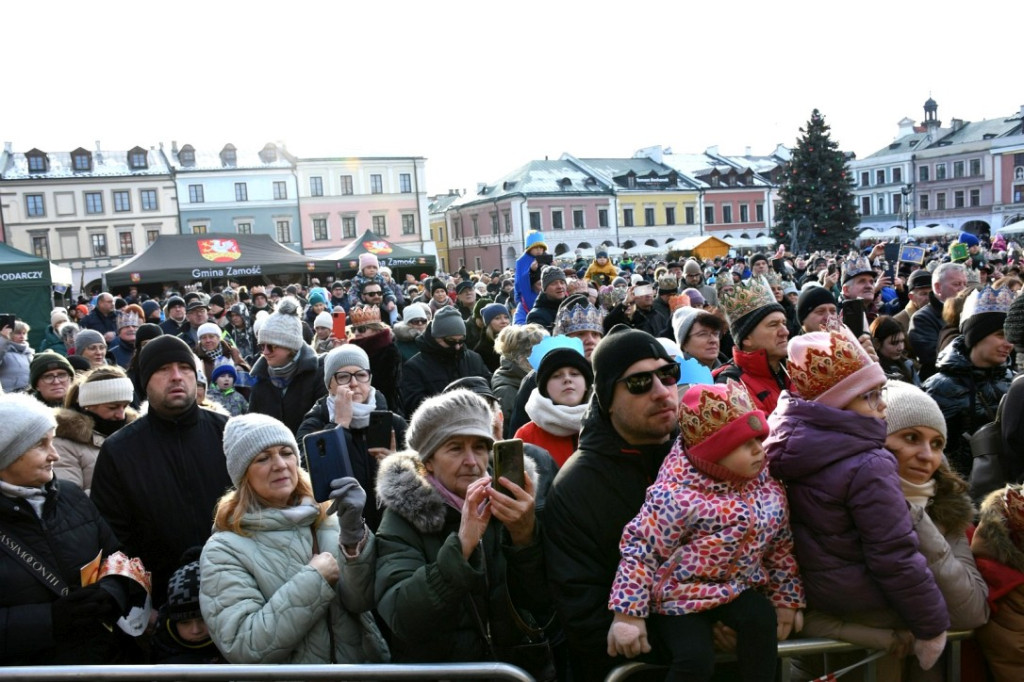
[716, 419]
[831, 368]
[366, 260]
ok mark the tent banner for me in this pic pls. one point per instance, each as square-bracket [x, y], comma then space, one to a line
[22, 276]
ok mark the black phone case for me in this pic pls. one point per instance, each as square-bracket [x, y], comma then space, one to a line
[326, 459]
[853, 316]
[378, 434]
[508, 462]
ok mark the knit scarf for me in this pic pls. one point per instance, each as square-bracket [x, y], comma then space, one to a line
[918, 493]
[282, 376]
[18, 347]
[360, 411]
[450, 498]
[36, 497]
[558, 420]
[213, 354]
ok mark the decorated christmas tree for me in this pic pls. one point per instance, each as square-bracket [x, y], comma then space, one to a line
[816, 210]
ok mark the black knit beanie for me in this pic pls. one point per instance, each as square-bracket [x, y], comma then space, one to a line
[1014, 324]
[809, 299]
[183, 591]
[978, 326]
[558, 358]
[47, 361]
[147, 332]
[161, 351]
[615, 353]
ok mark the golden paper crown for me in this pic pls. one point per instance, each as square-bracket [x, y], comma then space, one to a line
[716, 406]
[119, 564]
[744, 297]
[364, 314]
[820, 360]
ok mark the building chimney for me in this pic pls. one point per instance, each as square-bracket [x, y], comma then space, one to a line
[746, 151]
[8, 146]
[174, 147]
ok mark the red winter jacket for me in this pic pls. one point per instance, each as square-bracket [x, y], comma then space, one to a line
[752, 369]
[560, 447]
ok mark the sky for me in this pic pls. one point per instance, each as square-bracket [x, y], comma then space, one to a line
[481, 88]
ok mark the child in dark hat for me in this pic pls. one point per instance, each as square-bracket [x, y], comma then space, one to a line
[181, 635]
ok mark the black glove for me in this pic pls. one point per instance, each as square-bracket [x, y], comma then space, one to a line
[84, 607]
[349, 498]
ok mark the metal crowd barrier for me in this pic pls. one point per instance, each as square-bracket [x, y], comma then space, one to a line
[227, 673]
[800, 648]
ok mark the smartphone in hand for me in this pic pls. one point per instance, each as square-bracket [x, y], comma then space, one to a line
[338, 324]
[853, 315]
[378, 434]
[326, 459]
[508, 462]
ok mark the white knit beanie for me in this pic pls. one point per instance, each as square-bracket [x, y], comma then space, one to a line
[440, 417]
[907, 405]
[283, 327]
[25, 421]
[248, 435]
[104, 391]
[208, 328]
[343, 356]
[324, 319]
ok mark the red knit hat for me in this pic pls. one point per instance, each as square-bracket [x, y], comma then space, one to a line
[715, 420]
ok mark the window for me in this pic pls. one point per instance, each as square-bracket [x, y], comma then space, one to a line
[187, 155]
[320, 229]
[727, 214]
[244, 228]
[284, 231]
[199, 229]
[477, 265]
[670, 215]
[627, 217]
[195, 194]
[556, 220]
[897, 203]
[405, 182]
[940, 201]
[577, 219]
[602, 217]
[81, 162]
[348, 227]
[456, 228]
[508, 221]
[409, 224]
[865, 205]
[137, 159]
[376, 184]
[649, 216]
[690, 212]
[975, 197]
[36, 163]
[41, 246]
[922, 173]
[958, 169]
[759, 213]
[975, 167]
[958, 199]
[34, 205]
[151, 236]
[280, 189]
[709, 215]
[476, 225]
[241, 192]
[316, 186]
[881, 205]
[93, 202]
[494, 223]
[380, 225]
[744, 213]
[535, 220]
[880, 177]
[865, 179]
[940, 171]
[346, 184]
[126, 243]
[897, 174]
[122, 201]
[99, 244]
[923, 202]
[147, 199]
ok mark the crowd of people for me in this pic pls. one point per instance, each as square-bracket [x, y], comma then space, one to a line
[719, 454]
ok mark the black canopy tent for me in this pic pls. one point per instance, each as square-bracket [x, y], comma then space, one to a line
[399, 259]
[27, 286]
[188, 257]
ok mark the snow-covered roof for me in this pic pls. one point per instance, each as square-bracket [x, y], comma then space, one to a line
[269, 156]
[538, 177]
[103, 164]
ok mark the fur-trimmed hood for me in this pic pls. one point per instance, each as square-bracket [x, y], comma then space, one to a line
[994, 534]
[951, 508]
[406, 332]
[402, 486]
[79, 427]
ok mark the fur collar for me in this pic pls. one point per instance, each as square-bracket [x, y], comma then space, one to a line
[402, 487]
[995, 534]
[78, 426]
[951, 507]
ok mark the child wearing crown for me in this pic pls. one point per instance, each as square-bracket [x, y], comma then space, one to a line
[711, 543]
[854, 537]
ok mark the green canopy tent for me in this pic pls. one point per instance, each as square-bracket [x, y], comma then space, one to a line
[26, 288]
[177, 258]
[399, 259]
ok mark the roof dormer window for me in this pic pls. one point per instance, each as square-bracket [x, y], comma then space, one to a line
[228, 155]
[37, 161]
[138, 159]
[81, 160]
[269, 153]
[187, 155]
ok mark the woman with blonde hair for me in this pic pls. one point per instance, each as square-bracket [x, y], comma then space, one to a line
[15, 357]
[514, 344]
[285, 580]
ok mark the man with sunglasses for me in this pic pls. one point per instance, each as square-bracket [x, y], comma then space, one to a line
[629, 429]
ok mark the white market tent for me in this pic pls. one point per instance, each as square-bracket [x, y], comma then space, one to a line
[1012, 228]
[933, 232]
[891, 233]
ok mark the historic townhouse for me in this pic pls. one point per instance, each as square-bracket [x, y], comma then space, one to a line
[438, 226]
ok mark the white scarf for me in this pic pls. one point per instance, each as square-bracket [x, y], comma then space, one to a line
[918, 493]
[36, 497]
[558, 420]
[360, 411]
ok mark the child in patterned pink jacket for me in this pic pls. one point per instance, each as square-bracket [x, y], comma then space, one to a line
[711, 543]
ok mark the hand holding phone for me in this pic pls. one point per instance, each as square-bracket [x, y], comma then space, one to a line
[508, 462]
[853, 315]
[327, 459]
[378, 434]
[338, 324]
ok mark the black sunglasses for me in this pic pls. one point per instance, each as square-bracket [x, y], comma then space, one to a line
[454, 341]
[373, 293]
[641, 382]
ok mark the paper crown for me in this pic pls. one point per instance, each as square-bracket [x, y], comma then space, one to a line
[678, 301]
[364, 314]
[707, 410]
[819, 361]
[958, 252]
[773, 279]
[128, 319]
[743, 298]
[579, 317]
[119, 564]
[857, 265]
[973, 278]
[987, 300]
[550, 343]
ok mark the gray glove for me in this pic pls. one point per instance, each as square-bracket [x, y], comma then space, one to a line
[348, 499]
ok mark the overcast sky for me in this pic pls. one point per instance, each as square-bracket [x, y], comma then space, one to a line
[479, 88]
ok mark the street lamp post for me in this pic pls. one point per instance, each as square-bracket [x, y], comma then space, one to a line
[906, 191]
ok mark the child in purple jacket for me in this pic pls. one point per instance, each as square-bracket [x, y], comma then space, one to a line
[854, 537]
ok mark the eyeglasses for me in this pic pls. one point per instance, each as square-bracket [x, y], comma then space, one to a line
[705, 335]
[454, 341]
[373, 293]
[267, 347]
[343, 378]
[417, 321]
[641, 382]
[56, 377]
[361, 329]
[874, 398]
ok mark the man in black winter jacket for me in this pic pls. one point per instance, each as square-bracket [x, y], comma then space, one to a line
[158, 479]
[553, 292]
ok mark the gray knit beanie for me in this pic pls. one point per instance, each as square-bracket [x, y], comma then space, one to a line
[550, 273]
[343, 356]
[283, 327]
[26, 420]
[447, 322]
[907, 405]
[86, 338]
[1013, 325]
[440, 417]
[248, 435]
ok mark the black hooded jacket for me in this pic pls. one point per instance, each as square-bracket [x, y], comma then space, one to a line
[433, 368]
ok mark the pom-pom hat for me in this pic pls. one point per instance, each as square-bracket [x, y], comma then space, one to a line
[283, 327]
[716, 419]
[832, 368]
